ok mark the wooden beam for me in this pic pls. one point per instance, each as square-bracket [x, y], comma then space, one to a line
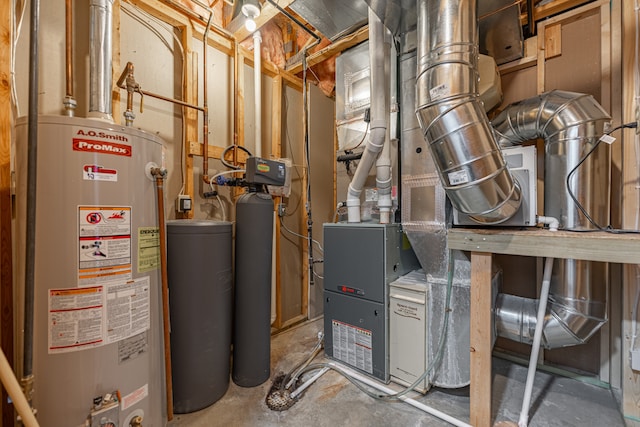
[555, 7]
[268, 12]
[333, 49]
[215, 152]
[6, 274]
[593, 246]
[172, 16]
[480, 340]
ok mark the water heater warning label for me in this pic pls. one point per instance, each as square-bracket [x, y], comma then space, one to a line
[82, 318]
[352, 345]
[104, 244]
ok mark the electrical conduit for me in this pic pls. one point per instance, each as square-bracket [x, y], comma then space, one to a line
[379, 116]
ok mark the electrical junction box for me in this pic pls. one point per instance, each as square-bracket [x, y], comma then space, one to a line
[522, 161]
[359, 263]
[183, 203]
[265, 171]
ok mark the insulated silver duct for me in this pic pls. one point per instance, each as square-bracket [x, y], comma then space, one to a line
[571, 124]
[470, 164]
[100, 43]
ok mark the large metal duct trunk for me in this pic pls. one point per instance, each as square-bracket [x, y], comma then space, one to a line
[453, 121]
[571, 124]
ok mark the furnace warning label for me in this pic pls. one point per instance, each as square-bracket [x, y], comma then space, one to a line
[148, 249]
[104, 244]
[75, 319]
[352, 345]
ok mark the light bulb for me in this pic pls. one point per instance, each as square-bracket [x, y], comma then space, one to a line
[250, 25]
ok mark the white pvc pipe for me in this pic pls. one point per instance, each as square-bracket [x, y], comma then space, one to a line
[257, 76]
[379, 117]
[535, 347]
[307, 383]
[383, 164]
[15, 392]
[405, 399]
[552, 222]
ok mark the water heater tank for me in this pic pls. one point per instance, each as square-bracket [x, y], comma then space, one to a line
[97, 308]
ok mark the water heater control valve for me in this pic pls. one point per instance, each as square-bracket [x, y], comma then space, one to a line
[106, 411]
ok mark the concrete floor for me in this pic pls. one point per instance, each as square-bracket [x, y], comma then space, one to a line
[333, 401]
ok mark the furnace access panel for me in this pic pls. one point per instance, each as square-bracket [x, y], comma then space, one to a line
[360, 262]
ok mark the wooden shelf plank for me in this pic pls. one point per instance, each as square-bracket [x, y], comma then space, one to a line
[591, 246]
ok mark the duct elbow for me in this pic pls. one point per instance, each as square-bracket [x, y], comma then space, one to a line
[564, 325]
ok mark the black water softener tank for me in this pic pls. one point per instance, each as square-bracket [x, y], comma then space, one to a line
[199, 271]
[252, 314]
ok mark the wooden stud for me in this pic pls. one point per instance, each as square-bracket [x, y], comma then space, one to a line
[276, 151]
[6, 274]
[631, 379]
[190, 116]
[480, 340]
[553, 41]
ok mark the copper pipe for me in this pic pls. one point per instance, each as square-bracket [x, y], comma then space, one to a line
[159, 174]
[127, 81]
[175, 101]
[205, 119]
[127, 75]
[69, 101]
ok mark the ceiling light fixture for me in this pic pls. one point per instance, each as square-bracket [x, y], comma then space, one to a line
[251, 10]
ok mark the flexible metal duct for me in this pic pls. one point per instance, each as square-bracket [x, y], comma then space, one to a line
[571, 124]
[470, 164]
[100, 43]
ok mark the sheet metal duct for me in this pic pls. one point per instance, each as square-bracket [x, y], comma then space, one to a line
[571, 124]
[470, 164]
[333, 18]
[100, 58]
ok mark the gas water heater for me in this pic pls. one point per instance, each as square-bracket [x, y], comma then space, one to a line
[98, 345]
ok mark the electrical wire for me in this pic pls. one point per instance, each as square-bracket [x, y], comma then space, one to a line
[226, 150]
[579, 205]
[300, 235]
[19, 6]
[224, 213]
